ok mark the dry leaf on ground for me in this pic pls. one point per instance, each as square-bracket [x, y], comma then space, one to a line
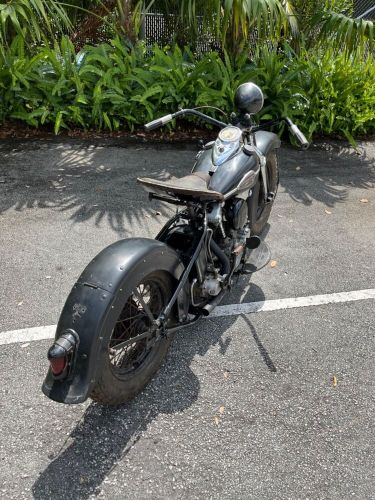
[216, 420]
[273, 263]
[328, 212]
[334, 381]
[363, 200]
[221, 409]
[226, 374]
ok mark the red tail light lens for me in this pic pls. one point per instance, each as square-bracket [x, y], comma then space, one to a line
[57, 365]
[62, 353]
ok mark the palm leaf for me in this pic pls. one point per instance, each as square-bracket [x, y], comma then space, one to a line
[345, 32]
[30, 18]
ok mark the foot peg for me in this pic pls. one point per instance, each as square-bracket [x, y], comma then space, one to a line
[270, 197]
[253, 242]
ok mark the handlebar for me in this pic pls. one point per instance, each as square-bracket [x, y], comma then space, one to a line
[297, 133]
[159, 122]
[167, 118]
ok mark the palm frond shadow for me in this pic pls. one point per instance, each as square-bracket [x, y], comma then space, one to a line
[325, 174]
[105, 435]
[98, 184]
[87, 183]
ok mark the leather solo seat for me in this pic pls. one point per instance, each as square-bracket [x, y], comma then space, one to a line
[193, 185]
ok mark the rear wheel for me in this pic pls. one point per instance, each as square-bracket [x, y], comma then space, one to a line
[260, 209]
[127, 369]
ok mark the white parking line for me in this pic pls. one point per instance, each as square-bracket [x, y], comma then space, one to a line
[27, 334]
[48, 332]
[311, 300]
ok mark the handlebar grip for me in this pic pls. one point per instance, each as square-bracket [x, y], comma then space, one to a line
[300, 136]
[159, 122]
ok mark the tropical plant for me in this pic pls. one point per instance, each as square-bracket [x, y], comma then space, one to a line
[232, 21]
[31, 18]
[115, 86]
[341, 94]
[85, 19]
[341, 32]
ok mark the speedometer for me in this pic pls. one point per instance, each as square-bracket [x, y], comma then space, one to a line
[230, 134]
[226, 145]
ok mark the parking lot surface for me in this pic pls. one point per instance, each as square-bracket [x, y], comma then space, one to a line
[269, 405]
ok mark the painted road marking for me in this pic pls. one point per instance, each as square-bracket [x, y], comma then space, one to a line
[48, 332]
[28, 334]
[274, 305]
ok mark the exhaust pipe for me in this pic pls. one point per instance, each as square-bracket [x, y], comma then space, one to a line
[208, 308]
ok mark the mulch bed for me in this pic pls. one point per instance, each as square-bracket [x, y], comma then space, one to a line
[184, 134]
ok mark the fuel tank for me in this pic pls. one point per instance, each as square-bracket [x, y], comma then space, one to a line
[227, 175]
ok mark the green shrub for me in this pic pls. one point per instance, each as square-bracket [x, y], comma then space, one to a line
[341, 94]
[113, 86]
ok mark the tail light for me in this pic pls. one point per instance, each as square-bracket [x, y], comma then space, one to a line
[61, 354]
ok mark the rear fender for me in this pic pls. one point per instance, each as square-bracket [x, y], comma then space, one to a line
[95, 302]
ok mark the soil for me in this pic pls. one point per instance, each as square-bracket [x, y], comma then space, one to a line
[19, 130]
[185, 133]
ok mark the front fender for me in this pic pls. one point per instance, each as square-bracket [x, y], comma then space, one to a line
[266, 141]
[95, 302]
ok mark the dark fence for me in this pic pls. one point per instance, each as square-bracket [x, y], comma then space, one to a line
[160, 29]
[365, 8]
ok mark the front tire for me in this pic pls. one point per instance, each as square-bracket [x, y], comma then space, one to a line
[260, 211]
[125, 371]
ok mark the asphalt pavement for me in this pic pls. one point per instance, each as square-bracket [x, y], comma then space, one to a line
[271, 405]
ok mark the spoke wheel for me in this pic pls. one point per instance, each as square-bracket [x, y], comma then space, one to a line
[125, 370]
[133, 321]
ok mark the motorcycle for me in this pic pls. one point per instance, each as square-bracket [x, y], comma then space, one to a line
[122, 313]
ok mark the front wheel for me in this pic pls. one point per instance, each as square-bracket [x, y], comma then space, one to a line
[260, 210]
[126, 370]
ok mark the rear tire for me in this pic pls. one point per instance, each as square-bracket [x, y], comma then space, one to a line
[260, 211]
[126, 371]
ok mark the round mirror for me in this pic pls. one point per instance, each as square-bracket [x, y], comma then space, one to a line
[249, 98]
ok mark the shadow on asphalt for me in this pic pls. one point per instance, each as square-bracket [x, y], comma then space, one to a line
[105, 435]
[334, 168]
[85, 182]
[92, 183]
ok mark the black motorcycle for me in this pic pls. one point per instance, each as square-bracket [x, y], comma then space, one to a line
[119, 319]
